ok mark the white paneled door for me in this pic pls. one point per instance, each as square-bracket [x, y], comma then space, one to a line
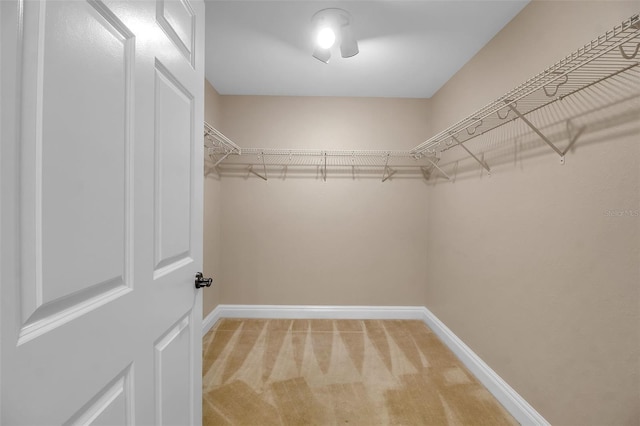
[101, 211]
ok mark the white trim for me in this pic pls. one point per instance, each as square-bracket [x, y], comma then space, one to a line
[523, 412]
[210, 320]
[520, 409]
[321, 312]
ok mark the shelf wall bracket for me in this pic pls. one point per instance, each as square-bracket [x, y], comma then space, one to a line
[256, 173]
[439, 169]
[391, 173]
[539, 133]
[482, 163]
[387, 172]
[221, 160]
[264, 166]
[324, 174]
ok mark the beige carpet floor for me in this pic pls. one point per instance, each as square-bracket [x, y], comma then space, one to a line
[330, 372]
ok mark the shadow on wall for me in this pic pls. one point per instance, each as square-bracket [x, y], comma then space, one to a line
[210, 170]
[575, 121]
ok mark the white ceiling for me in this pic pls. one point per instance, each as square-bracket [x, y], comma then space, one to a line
[407, 48]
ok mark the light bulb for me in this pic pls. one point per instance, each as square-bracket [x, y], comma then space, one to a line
[326, 38]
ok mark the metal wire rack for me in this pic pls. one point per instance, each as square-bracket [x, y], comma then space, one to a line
[609, 55]
[607, 67]
[265, 162]
[218, 146]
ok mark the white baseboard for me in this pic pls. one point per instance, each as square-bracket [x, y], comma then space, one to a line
[321, 312]
[523, 412]
[310, 312]
[520, 409]
[209, 321]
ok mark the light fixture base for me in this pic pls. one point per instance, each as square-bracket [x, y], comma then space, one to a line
[339, 22]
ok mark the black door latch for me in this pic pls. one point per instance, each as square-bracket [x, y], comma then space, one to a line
[202, 282]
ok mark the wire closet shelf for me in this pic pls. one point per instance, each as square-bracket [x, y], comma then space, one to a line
[609, 57]
[611, 54]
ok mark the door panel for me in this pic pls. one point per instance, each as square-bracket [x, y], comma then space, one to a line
[178, 20]
[173, 376]
[99, 318]
[61, 209]
[70, 204]
[111, 406]
[173, 170]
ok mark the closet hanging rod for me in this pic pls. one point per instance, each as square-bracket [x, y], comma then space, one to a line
[326, 152]
[612, 53]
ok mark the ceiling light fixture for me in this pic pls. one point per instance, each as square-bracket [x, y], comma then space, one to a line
[326, 38]
[331, 26]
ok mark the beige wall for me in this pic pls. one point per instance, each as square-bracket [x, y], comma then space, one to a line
[325, 122]
[525, 266]
[339, 242]
[212, 209]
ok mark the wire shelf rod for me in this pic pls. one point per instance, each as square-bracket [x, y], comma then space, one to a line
[328, 153]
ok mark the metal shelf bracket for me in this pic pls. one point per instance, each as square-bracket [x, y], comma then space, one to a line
[256, 173]
[438, 168]
[538, 132]
[264, 168]
[387, 172]
[482, 163]
[324, 173]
